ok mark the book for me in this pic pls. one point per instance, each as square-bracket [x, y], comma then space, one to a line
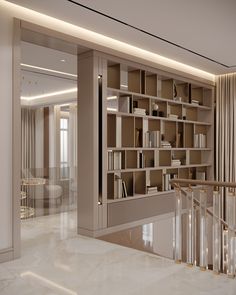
[118, 187]
[124, 189]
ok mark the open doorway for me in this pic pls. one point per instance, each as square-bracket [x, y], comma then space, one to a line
[49, 124]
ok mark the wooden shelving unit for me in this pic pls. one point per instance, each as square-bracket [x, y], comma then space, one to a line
[158, 128]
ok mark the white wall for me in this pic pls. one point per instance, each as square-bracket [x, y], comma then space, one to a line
[6, 30]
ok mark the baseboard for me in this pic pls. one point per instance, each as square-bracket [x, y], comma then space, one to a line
[6, 255]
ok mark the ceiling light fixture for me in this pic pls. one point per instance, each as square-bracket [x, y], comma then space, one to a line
[48, 70]
[63, 60]
[72, 90]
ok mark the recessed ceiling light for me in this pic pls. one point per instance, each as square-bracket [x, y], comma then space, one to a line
[63, 60]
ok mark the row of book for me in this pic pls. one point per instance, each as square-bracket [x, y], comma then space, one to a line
[120, 189]
[114, 160]
[166, 181]
[152, 139]
[200, 140]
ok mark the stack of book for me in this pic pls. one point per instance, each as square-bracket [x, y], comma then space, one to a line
[199, 140]
[139, 111]
[165, 144]
[175, 162]
[172, 116]
[194, 102]
[120, 190]
[152, 139]
[152, 189]
[114, 160]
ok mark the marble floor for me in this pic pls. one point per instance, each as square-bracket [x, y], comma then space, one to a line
[57, 261]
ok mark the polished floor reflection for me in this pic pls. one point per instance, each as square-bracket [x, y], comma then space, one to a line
[57, 261]
[155, 237]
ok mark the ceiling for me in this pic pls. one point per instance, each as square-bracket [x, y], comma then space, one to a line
[198, 33]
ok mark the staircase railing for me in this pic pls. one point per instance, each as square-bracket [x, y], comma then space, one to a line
[205, 224]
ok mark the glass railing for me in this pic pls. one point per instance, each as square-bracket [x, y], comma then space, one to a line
[205, 225]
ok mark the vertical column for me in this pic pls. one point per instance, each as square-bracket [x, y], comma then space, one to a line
[178, 226]
[91, 143]
[190, 227]
[203, 231]
[216, 232]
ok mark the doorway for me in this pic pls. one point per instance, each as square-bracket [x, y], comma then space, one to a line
[49, 121]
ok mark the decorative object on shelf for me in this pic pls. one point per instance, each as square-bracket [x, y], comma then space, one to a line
[175, 90]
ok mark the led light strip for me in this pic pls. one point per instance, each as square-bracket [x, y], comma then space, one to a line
[47, 70]
[72, 90]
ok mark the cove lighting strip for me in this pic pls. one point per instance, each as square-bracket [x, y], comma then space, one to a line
[99, 39]
[47, 70]
[72, 90]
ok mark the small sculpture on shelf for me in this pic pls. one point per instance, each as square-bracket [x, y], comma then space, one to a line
[155, 109]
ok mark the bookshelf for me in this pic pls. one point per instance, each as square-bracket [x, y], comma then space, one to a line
[158, 128]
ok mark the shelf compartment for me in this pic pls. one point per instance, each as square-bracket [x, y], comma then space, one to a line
[127, 131]
[169, 132]
[184, 173]
[191, 114]
[180, 135]
[138, 132]
[151, 84]
[149, 159]
[162, 108]
[174, 109]
[128, 178]
[111, 130]
[156, 179]
[167, 88]
[131, 159]
[181, 90]
[110, 186]
[135, 80]
[140, 182]
[179, 155]
[141, 103]
[165, 158]
[188, 135]
[195, 157]
[113, 76]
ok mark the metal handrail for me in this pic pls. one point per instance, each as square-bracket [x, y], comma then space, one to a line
[202, 182]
